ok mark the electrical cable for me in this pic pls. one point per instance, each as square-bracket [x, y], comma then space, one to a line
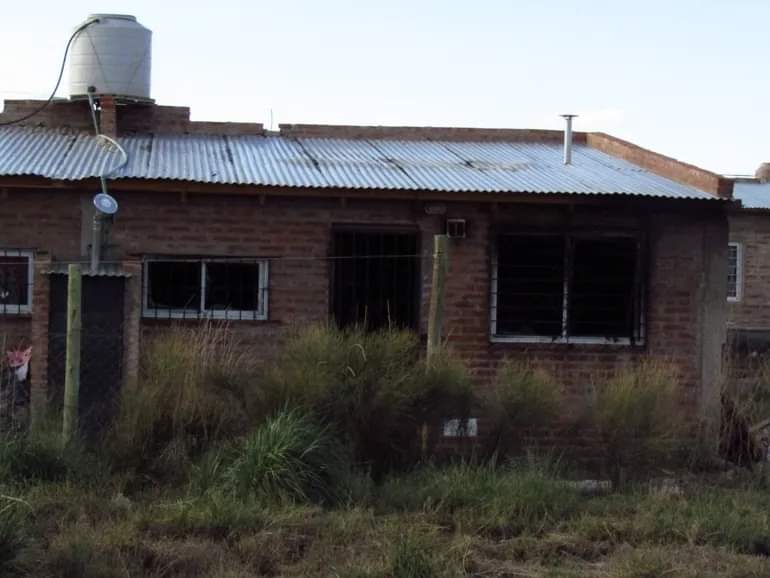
[58, 80]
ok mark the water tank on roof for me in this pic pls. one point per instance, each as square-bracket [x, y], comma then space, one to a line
[113, 55]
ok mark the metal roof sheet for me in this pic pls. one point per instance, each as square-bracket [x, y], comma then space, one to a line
[494, 167]
[103, 270]
[752, 194]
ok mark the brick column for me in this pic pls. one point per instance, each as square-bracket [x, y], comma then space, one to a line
[108, 120]
[41, 296]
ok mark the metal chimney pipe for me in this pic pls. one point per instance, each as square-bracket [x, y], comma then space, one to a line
[568, 138]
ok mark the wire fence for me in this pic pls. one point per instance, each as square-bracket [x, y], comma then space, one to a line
[360, 282]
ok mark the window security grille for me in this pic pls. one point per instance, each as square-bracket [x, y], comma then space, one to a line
[16, 273]
[734, 271]
[182, 288]
[567, 288]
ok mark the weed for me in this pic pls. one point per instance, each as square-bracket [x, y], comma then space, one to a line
[636, 415]
[499, 501]
[524, 397]
[411, 560]
[372, 388]
[194, 390]
[288, 457]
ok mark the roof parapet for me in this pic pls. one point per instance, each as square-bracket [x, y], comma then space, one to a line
[129, 118]
[671, 168]
[460, 134]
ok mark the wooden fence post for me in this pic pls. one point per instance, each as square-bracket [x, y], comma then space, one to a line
[437, 294]
[72, 367]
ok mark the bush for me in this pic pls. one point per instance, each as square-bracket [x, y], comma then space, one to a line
[523, 399]
[636, 414]
[40, 457]
[374, 389]
[289, 457]
[194, 390]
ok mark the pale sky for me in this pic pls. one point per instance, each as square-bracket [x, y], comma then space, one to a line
[687, 78]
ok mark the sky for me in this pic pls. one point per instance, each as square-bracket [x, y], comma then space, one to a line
[686, 78]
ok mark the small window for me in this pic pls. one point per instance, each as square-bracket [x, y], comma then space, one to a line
[15, 281]
[217, 288]
[734, 271]
[567, 288]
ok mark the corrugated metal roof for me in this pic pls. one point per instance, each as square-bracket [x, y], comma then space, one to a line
[752, 194]
[494, 167]
[103, 270]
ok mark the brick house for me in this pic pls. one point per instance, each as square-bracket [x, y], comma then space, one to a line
[619, 255]
[748, 293]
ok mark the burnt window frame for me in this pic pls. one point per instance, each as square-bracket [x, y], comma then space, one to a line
[20, 308]
[201, 312]
[638, 334]
[379, 229]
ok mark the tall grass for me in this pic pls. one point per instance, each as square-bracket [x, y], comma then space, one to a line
[194, 390]
[523, 398]
[636, 413]
[288, 457]
[372, 388]
[493, 500]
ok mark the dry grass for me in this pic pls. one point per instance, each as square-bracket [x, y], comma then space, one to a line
[523, 398]
[196, 387]
[637, 414]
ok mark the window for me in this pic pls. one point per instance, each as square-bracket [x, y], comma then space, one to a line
[217, 288]
[376, 279]
[15, 281]
[734, 271]
[567, 288]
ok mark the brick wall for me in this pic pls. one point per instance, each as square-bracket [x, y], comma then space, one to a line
[752, 230]
[296, 231]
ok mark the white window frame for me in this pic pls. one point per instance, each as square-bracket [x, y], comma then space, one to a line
[564, 337]
[20, 308]
[738, 272]
[201, 312]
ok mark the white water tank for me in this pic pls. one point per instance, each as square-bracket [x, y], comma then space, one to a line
[113, 54]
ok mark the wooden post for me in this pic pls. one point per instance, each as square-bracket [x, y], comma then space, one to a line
[437, 294]
[72, 367]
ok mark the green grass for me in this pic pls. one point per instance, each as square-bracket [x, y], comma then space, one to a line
[454, 521]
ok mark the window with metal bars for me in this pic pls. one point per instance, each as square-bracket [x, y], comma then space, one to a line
[182, 288]
[734, 271]
[567, 288]
[375, 279]
[16, 275]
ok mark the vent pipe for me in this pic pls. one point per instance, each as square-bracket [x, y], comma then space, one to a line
[568, 138]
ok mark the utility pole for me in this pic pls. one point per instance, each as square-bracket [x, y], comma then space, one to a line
[72, 367]
[437, 294]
